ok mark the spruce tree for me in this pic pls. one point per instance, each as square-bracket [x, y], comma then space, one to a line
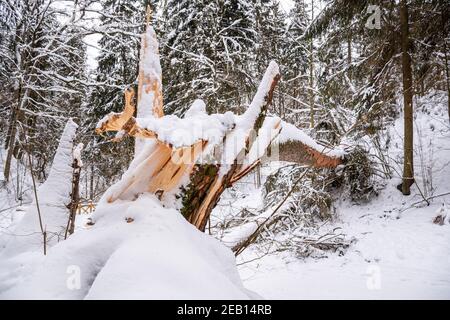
[207, 52]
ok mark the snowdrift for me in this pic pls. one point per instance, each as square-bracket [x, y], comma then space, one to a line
[136, 250]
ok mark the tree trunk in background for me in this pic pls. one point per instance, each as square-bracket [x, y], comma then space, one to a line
[91, 184]
[349, 50]
[408, 164]
[349, 54]
[311, 73]
[444, 17]
[74, 197]
[447, 75]
[11, 139]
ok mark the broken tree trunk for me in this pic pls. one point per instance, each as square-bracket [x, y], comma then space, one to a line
[150, 98]
[75, 193]
[188, 163]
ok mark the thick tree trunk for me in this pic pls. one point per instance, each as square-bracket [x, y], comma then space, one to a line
[408, 164]
[11, 136]
[10, 146]
[349, 49]
[447, 74]
[349, 53]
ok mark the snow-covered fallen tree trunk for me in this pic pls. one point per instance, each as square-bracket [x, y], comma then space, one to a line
[189, 162]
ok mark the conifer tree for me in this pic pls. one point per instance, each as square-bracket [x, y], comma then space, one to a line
[206, 52]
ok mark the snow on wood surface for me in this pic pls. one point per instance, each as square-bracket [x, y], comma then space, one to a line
[247, 120]
[150, 76]
[77, 154]
[267, 133]
[183, 132]
[197, 125]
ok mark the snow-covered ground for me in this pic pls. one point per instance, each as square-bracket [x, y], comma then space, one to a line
[397, 252]
[392, 258]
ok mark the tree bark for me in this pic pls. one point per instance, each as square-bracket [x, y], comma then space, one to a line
[311, 73]
[75, 194]
[408, 164]
[444, 19]
[91, 184]
[74, 197]
[349, 49]
[447, 75]
[349, 53]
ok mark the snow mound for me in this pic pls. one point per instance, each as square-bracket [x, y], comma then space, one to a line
[136, 250]
[149, 69]
[53, 196]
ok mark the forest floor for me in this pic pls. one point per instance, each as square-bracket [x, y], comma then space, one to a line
[395, 256]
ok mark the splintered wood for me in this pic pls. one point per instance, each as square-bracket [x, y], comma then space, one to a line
[162, 169]
[124, 121]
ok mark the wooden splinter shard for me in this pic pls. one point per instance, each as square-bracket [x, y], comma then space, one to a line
[124, 121]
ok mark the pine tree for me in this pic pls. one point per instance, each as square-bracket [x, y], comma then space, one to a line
[235, 44]
[373, 73]
[354, 60]
[119, 56]
[187, 33]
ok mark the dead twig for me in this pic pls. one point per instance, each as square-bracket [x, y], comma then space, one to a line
[240, 247]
